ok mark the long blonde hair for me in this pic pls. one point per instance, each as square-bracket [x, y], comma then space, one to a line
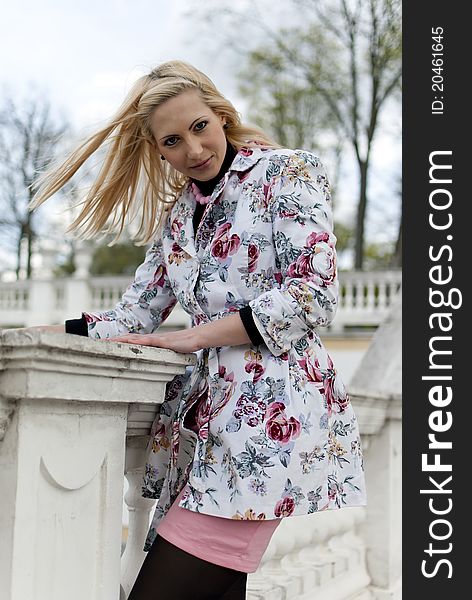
[132, 177]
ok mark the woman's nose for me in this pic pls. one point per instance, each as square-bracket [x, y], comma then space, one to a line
[194, 148]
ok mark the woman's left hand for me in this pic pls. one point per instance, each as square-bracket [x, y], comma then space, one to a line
[183, 341]
[227, 331]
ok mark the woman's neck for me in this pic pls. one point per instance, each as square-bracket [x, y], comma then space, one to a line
[207, 187]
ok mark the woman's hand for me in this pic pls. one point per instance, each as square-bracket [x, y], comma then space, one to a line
[184, 341]
[227, 331]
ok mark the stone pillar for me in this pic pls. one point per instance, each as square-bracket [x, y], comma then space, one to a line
[77, 297]
[83, 260]
[63, 420]
[42, 303]
[381, 433]
[376, 392]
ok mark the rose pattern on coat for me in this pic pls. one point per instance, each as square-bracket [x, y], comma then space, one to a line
[306, 263]
[334, 390]
[284, 507]
[311, 367]
[254, 364]
[253, 254]
[250, 406]
[276, 434]
[178, 254]
[223, 245]
[278, 427]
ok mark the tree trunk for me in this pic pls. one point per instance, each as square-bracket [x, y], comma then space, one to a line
[29, 267]
[18, 258]
[397, 256]
[360, 222]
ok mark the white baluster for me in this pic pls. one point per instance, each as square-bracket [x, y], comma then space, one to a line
[382, 298]
[139, 512]
[349, 298]
[370, 299]
[311, 557]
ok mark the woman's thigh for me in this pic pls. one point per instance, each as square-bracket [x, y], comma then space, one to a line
[171, 573]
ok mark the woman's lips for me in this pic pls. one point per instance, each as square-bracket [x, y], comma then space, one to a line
[203, 165]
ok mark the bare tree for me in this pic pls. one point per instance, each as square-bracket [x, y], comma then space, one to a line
[348, 53]
[29, 136]
[396, 262]
[288, 109]
[359, 70]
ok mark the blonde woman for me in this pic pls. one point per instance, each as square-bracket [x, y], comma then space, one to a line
[261, 428]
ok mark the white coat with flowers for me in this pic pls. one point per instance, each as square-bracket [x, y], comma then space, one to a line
[277, 435]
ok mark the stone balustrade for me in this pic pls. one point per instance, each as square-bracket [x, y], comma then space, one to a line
[75, 415]
[364, 300]
[314, 556]
[73, 412]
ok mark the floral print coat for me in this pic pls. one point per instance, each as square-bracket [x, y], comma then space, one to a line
[277, 435]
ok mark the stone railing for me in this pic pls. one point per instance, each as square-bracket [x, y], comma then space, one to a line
[75, 416]
[364, 300]
[354, 553]
[365, 297]
[316, 556]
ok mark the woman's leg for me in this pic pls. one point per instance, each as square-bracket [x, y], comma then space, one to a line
[238, 590]
[169, 572]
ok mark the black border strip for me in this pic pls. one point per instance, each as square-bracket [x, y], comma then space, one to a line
[435, 268]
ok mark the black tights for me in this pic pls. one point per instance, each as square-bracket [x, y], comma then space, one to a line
[169, 572]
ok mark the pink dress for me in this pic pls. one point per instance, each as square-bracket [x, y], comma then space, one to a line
[236, 544]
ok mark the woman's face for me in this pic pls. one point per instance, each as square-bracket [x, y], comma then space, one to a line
[190, 135]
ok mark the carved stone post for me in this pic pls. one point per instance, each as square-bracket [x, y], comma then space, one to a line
[63, 418]
[376, 392]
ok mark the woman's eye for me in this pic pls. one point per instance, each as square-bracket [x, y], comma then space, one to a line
[170, 141]
[201, 125]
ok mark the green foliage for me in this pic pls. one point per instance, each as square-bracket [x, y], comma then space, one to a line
[65, 269]
[120, 259]
[378, 256]
[281, 102]
[344, 235]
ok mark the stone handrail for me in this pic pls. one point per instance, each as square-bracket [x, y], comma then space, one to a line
[69, 408]
[365, 297]
[75, 415]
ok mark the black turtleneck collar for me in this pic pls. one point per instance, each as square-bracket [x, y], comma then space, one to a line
[207, 187]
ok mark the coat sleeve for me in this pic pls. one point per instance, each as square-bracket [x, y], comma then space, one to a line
[146, 303]
[300, 205]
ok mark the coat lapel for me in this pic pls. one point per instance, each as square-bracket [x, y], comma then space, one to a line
[185, 250]
[184, 208]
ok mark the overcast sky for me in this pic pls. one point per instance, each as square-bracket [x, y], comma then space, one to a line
[85, 55]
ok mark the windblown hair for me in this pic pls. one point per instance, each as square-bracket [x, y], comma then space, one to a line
[132, 178]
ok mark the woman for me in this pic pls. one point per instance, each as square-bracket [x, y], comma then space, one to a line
[261, 428]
